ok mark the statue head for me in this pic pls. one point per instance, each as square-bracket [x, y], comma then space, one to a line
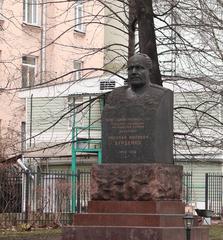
[139, 69]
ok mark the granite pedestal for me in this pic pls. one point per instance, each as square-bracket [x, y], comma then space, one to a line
[136, 182]
[134, 202]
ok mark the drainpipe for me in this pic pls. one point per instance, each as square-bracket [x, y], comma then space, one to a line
[43, 40]
[31, 120]
[73, 165]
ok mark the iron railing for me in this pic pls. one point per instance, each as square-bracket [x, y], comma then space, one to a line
[10, 191]
[214, 193]
[42, 197]
[187, 188]
[45, 198]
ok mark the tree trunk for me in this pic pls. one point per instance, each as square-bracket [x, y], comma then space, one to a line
[132, 27]
[147, 38]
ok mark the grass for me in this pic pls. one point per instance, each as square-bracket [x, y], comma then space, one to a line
[34, 234]
[216, 232]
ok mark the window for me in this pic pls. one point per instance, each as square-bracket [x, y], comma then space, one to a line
[77, 70]
[30, 11]
[28, 71]
[76, 114]
[79, 14]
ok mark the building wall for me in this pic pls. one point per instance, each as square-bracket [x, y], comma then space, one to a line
[116, 37]
[51, 118]
[55, 44]
[70, 44]
[63, 45]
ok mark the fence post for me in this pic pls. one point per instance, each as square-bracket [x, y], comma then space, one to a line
[191, 191]
[78, 191]
[27, 197]
[206, 191]
[187, 188]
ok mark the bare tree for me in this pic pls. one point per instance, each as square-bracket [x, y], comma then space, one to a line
[186, 37]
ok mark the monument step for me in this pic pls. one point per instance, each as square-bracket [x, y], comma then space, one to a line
[132, 233]
[129, 219]
[161, 207]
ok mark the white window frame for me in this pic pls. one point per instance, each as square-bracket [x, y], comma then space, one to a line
[28, 82]
[79, 16]
[1, 9]
[73, 102]
[29, 8]
[77, 67]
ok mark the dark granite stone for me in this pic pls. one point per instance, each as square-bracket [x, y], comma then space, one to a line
[137, 122]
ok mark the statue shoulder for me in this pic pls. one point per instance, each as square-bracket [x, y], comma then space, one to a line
[160, 89]
[118, 90]
[115, 94]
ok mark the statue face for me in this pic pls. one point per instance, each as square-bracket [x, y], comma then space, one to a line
[138, 72]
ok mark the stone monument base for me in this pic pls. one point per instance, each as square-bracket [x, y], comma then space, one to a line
[134, 202]
[132, 220]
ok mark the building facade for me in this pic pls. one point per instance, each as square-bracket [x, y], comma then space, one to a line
[57, 58]
[44, 44]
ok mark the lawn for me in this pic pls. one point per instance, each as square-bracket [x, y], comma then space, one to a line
[216, 233]
[37, 234]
